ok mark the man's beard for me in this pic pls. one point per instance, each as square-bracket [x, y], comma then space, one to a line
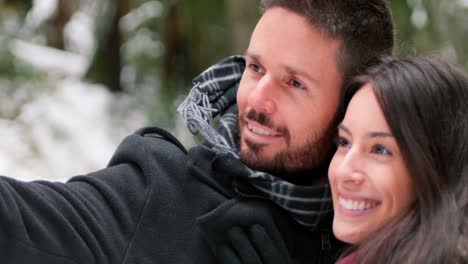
[314, 153]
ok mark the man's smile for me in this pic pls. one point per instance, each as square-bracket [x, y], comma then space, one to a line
[255, 133]
[258, 130]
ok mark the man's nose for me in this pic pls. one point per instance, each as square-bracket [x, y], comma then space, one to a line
[262, 97]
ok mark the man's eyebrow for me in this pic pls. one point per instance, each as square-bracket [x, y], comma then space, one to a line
[297, 72]
[290, 70]
[251, 55]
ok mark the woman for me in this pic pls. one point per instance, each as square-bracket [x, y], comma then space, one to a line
[399, 177]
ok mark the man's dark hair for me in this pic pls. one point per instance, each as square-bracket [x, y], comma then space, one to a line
[365, 28]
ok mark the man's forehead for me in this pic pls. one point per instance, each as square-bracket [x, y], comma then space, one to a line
[298, 50]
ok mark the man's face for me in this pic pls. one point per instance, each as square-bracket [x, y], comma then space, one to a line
[289, 94]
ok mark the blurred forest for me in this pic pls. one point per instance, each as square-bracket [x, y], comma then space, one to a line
[76, 76]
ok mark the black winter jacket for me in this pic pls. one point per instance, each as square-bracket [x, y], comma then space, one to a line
[154, 203]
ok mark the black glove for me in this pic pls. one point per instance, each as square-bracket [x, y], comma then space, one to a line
[251, 245]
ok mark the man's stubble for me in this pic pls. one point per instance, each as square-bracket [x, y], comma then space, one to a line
[314, 153]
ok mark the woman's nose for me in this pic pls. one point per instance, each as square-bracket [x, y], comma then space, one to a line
[350, 170]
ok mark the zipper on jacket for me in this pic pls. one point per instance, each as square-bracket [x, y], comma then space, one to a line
[326, 244]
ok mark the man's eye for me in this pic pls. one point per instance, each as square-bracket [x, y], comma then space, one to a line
[381, 150]
[297, 84]
[255, 67]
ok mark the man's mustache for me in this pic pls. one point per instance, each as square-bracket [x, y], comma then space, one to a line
[261, 118]
[264, 120]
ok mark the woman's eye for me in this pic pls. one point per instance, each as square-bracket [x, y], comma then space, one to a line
[297, 84]
[381, 150]
[343, 142]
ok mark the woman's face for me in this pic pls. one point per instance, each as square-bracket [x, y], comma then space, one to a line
[369, 180]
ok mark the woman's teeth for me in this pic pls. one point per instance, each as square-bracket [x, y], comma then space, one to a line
[356, 204]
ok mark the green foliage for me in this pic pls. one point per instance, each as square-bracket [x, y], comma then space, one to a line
[205, 26]
[432, 27]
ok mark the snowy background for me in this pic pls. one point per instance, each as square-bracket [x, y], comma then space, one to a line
[56, 125]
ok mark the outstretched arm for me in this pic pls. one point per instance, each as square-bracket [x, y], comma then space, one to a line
[89, 219]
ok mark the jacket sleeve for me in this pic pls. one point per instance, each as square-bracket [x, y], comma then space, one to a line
[89, 219]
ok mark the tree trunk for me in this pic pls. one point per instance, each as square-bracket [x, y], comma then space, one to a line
[243, 15]
[55, 25]
[175, 62]
[106, 64]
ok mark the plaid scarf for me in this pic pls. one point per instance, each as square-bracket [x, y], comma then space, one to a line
[213, 98]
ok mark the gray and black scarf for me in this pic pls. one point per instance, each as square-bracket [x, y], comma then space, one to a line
[213, 98]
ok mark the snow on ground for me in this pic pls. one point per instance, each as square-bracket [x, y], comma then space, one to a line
[72, 130]
[50, 60]
[70, 127]
[67, 127]
[464, 3]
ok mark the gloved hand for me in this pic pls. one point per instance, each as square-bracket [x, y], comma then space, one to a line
[251, 245]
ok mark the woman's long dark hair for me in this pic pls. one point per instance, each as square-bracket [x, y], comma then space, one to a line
[425, 103]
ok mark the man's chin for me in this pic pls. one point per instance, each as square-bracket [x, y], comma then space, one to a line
[259, 160]
[254, 161]
[266, 158]
[252, 155]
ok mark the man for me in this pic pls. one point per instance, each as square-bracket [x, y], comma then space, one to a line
[155, 203]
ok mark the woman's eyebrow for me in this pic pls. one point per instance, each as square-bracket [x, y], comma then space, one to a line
[379, 134]
[370, 134]
[344, 128]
